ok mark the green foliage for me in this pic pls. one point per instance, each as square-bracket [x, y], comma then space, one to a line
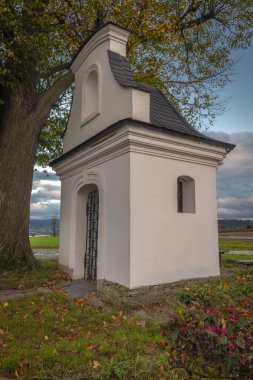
[213, 337]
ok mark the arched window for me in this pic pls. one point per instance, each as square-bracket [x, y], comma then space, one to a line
[185, 194]
[90, 96]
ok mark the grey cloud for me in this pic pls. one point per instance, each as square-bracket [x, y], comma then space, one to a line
[235, 176]
[45, 197]
[40, 175]
[45, 210]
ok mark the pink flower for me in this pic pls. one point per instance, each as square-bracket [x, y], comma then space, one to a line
[182, 330]
[231, 336]
[164, 333]
[231, 348]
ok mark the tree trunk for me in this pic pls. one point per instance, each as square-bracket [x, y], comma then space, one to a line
[22, 117]
[18, 138]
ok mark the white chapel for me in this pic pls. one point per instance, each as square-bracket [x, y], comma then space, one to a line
[138, 198]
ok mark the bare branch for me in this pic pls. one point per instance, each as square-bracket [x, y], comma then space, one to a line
[51, 96]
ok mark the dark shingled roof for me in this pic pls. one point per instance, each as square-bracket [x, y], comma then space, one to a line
[162, 112]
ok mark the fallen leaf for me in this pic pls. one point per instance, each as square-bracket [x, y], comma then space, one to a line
[16, 374]
[91, 347]
[223, 323]
[6, 304]
[95, 364]
[226, 285]
[46, 337]
[88, 333]
[162, 371]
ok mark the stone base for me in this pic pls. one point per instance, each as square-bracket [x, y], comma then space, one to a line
[66, 269]
[120, 295]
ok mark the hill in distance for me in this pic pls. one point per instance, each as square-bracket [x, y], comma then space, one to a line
[43, 226]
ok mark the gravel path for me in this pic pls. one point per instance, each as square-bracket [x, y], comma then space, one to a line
[46, 253]
[54, 253]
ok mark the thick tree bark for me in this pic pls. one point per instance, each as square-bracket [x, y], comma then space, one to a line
[22, 116]
[18, 138]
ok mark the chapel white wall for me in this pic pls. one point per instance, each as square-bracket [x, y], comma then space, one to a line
[168, 246]
[114, 221]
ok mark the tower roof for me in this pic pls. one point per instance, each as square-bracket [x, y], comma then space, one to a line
[162, 113]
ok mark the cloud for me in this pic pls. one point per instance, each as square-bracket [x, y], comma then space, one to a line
[235, 176]
[45, 197]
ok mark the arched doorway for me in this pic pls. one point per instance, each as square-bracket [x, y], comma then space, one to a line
[91, 251]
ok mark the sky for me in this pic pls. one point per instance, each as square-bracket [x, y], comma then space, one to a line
[234, 177]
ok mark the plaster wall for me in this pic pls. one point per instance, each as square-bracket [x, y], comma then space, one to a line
[114, 101]
[167, 246]
[112, 180]
[143, 240]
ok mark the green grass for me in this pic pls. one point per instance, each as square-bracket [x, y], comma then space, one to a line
[235, 245]
[61, 339]
[229, 262]
[44, 242]
[48, 271]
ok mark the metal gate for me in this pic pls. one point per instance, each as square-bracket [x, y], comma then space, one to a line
[90, 259]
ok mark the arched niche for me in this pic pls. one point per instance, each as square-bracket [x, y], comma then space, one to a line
[90, 96]
[185, 194]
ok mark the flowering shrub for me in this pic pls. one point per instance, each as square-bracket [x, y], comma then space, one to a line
[213, 343]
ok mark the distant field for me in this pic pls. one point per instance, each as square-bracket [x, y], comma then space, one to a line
[53, 242]
[236, 245]
[236, 232]
[44, 242]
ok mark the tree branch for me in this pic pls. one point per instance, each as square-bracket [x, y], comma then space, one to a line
[51, 96]
[54, 70]
[192, 8]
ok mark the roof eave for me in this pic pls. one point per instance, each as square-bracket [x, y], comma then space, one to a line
[113, 127]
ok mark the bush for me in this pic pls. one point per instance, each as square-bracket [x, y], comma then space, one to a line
[212, 343]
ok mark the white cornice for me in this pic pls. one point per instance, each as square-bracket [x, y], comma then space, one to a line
[138, 140]
[110, 32]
